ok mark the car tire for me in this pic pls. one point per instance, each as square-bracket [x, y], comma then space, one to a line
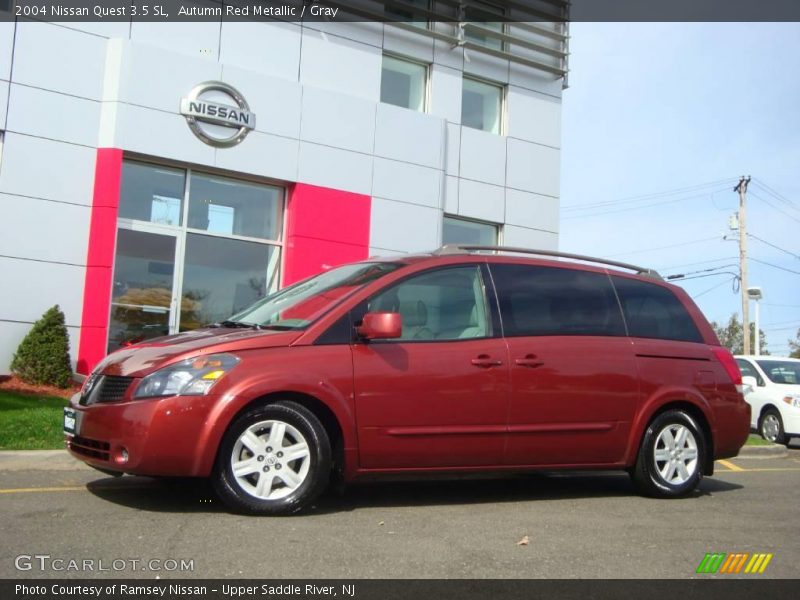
[770, 427]
[671, 456]
[274, 459]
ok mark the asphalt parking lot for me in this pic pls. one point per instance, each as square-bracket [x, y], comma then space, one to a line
[577, 525]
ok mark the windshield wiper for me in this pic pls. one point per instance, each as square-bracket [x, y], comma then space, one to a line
[278, 327]
[234, 324]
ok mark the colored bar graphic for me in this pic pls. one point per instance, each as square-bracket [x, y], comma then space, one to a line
[721, 562]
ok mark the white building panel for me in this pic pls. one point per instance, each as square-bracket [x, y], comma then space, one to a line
[338, 120]
[43, 168]
[524, 208]
[409, 136]
[451, 195]
[445, 93]
[42, 113]
[35, 286]
[407, 43]
[335, 168]
[60, 59]
[365, 32]
[264, 155]
[169, 76]
[485, 66]
[65, 227]
[6, 48]
[333, 63]
[529, 238]
[483, 156]
[534, 117]
[481, 201]
[445, 53]
[453, 149]
[405, 182]
[532, 79]
[276, 102]
[533, 168]
[3, 103]
[106, 29]
[270, 48]
[404, 227]
[175, 141]
[195, 39]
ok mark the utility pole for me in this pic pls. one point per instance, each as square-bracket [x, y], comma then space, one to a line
[741, 188]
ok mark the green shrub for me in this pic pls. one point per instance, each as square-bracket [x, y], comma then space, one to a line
[43, 356]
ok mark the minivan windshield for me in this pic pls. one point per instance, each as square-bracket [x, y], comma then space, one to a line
[781, 371]
[298, 305]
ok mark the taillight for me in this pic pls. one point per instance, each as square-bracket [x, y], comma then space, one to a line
[726, 359]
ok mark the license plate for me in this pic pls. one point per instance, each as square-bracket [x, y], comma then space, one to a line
[70, 421]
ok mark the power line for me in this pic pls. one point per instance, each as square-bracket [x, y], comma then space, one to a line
[644, 197]
[640, 207]
[776, 195]
[781, 305]
[700, 262]
[755, 237]
[711, 289]
[774, 266]
[768, 203]
[716, 237]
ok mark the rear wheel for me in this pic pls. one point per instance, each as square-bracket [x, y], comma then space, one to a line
[671, 456]
[274, 459]
[771, 427]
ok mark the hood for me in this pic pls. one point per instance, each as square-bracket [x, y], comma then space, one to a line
[150, 355]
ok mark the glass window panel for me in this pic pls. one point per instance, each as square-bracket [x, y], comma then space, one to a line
[142, 289]
[407, 15]
[446, 304]
[403, 83]
[477, 13]
[222, 277]
[653, 311]
[551, 301]
[459, 231]
[481, 105]
[151, 193]
[231, 207]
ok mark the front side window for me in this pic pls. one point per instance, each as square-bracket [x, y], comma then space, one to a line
[781, 371]
[539, 301]
[653, 311]
[462, 231]
[404, 83]
[298, 305]
[481, 105]
[446, 304]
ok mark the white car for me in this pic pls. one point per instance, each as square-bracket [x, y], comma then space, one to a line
[772, 389]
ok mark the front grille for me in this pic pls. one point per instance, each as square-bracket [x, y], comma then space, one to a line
[90, 448]
[105, 388]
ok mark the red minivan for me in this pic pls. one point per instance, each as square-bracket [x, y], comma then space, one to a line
[466, 359]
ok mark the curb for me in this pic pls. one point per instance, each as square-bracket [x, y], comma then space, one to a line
[771, 451]
[39, 460]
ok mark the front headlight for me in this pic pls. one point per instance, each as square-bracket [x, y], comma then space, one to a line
[793, 400]
[191, 377]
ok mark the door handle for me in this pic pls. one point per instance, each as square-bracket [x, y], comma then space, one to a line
[485, 361]
[529, 360]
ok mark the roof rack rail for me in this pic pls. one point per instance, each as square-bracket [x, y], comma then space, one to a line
[466, 248]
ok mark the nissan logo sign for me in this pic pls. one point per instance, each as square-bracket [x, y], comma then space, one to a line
[214, 120]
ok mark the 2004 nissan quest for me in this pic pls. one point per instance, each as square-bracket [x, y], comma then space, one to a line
[467, 359]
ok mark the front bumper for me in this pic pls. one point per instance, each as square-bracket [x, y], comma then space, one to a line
[162, 436]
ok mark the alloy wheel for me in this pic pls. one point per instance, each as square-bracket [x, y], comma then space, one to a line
[675, 454]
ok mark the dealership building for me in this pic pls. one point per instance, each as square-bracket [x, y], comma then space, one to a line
[158, 176]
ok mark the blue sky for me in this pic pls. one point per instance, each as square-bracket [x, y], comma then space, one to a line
[657, 107]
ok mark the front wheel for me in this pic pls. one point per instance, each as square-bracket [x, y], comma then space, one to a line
[274, 459]
[671, 456]
[771, 427]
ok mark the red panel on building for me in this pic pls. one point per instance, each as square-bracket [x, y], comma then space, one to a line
[100, 259]
[324, 228]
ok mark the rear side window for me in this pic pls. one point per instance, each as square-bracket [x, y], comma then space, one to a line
[653, 311]
[553, 301]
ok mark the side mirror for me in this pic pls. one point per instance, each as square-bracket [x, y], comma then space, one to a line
[749, 383]
[381, 326]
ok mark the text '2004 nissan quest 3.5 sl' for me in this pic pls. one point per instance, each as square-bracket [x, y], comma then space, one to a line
[463, 360]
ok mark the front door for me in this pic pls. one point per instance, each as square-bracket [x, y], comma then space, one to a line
[437, 396]
[573, 370]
